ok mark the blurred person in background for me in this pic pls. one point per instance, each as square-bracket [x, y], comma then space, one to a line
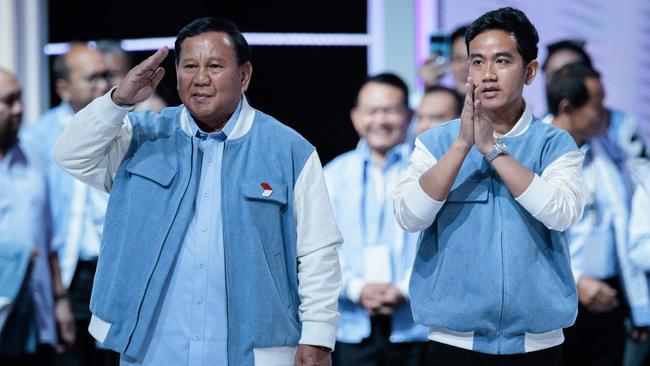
[439, 104]
[31, 302]
[607, 279]
[376, 326]
[118, 62]
[433, 69]
[622, 128]
[78, 210]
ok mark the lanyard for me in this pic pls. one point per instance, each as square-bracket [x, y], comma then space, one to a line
[380, 188]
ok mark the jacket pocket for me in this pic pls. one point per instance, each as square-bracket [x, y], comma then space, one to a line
[151, 166]
[259, 191]
[470, 191]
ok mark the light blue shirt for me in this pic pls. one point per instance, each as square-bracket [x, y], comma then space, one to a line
[361, 193]
[593, 239]
[191, 328]
[77, 210]
[25, 219]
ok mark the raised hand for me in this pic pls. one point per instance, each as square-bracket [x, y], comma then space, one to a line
[141, 81]
[466, 136]
[483, 131]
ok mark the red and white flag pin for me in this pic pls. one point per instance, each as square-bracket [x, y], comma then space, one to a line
[267, 189]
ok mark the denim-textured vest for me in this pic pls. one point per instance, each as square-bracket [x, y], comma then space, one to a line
[151, 206]
[486, 265]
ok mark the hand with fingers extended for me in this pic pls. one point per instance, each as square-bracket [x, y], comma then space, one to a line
[141, 81]
[466, 136]
[483, 131]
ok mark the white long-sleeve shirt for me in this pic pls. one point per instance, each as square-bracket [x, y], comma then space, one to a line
[554, 198]
[95, 142]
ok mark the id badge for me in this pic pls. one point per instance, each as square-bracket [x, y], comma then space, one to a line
[377, 264]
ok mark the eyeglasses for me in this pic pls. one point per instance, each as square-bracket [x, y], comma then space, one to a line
[11, 99]
[94, 79]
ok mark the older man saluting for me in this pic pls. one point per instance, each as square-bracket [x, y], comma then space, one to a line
[220, 243]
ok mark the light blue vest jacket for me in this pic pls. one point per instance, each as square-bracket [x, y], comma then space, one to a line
[150, 208]
[485, 264]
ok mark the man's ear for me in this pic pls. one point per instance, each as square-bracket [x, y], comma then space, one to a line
[531, 71]
[565, 107]
[246, 72]
[62, 88]
[355, 117]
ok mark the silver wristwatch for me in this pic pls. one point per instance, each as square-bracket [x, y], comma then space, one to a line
[499, 149]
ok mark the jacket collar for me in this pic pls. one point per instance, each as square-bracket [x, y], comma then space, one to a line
[242, 126]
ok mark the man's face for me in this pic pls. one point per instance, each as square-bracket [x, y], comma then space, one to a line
[87, 78]
[11, 108]
[498, 70]
[435, 108]
[459, 66]
[210, 82]
[590, 120]
[381, 117]
[558, 60]
[116, 65]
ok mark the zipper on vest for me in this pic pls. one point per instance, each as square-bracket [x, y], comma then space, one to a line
[503, 276]
[225, 260]
[187, 185]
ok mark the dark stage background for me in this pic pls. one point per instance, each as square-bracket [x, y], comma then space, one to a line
[308, 88]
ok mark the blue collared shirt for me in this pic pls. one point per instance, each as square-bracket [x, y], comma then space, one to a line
[192, 325]
[593, 239]
[77, 210]
[361, 193]
[25, 219]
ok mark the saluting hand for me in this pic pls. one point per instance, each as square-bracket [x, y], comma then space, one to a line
[141, 81]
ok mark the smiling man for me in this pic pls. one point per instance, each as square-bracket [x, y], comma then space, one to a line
[493, 193]
[220, 243]
[376, 327]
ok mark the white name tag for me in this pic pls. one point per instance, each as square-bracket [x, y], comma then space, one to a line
[377, 264]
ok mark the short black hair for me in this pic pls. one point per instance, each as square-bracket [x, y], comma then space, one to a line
[458, 99]
[388, 79]
[60, 65]
[215, 24]
[458, 33]
[112, 46]
[512, 21]
[569, 83]
[576, 46]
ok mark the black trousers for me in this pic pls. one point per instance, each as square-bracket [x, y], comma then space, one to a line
[44, 356]
[444, 355]
[597, 339]
[377, 350]
[84, 351]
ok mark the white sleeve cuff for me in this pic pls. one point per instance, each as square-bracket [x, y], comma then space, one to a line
[419, 203]
[354, 288]
[114, 114]
[536, 196]
[318, 334]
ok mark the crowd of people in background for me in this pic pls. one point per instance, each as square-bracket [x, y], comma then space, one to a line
[432, 206]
